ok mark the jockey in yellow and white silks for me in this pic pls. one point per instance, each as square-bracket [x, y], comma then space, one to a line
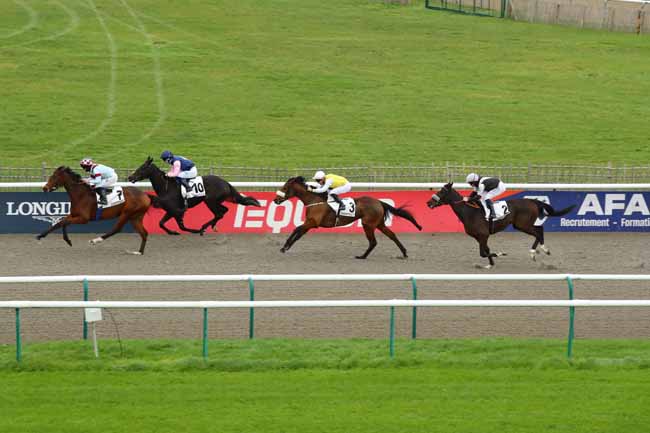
[102, 177]
[332, 184]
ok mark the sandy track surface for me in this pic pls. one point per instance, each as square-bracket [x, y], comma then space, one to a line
[324, 253]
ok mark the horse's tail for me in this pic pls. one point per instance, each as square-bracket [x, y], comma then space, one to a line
[400, 212]
[236, 197]
[548, 209]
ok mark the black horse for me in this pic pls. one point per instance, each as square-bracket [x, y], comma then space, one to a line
[523, 214]
[170, 199]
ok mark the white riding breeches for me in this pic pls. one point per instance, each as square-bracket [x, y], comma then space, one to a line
[341, 189]
[500, 189]
[106, 183]
[189, 174]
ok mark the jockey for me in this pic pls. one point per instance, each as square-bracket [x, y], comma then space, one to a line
[485, 189]
[101, 177]
[332, 184]
[181, 168]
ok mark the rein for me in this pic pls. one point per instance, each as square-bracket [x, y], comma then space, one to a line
[315, 204]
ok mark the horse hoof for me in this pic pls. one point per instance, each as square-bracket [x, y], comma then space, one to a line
[501, 253]
[96, 241]
[135, 253]
[68, 242]
[360, 257]
[283, 250]
[173, 233]
[483, 266]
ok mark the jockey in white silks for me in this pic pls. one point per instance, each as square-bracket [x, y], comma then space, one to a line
[485, 189]
[102, 177]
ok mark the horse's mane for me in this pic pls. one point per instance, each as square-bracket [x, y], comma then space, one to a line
[300, 180]
[76, 177]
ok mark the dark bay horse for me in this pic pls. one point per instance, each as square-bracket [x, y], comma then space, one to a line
[83, 207]
[372, 213]
[523, 214]
[170, 199]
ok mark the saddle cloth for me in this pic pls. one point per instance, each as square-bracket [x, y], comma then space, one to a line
[349, 207]
[197, 188]
[501, 210]
[114, 197]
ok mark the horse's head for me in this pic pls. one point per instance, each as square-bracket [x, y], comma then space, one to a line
[444, 196]
[144, 171]
[59, 178]
[289, 189]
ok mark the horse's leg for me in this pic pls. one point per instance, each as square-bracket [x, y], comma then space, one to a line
[533, 231]
[64, 229]
[116, 228]
[218, 210]
[138, 225]
[162, 222]
[388, 232]
[295, 235]
[372, 241]
[484, 251]
[181, 225]
[64, 222]
[540, 237]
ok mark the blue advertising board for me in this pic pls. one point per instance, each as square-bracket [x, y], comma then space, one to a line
[34, 212]
[609, 211]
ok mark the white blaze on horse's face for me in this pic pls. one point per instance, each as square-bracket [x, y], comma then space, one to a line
[280, 196]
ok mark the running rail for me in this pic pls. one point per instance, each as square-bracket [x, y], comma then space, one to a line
[399, 185]
[392, 304]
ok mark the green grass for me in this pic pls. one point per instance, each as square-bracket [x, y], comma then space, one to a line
[310, 82]
[487, 385]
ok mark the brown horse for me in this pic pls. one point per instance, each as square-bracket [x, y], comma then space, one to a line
[523, 214]
[372, 213]
[83, 207]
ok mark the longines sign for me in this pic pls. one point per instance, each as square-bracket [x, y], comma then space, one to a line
[34, 212]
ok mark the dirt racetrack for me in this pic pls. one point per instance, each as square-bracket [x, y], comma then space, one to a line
[326, 253]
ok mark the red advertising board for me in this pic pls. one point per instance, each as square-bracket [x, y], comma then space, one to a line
[283, 218]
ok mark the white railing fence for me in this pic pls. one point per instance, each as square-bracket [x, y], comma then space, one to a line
[251, 304]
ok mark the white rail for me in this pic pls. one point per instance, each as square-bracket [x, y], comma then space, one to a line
[398, 185]
[328, 303]
[324, 277]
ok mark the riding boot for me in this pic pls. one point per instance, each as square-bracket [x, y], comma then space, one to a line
[102, 196]
[490, 206]
[186, 184]
[337, 199]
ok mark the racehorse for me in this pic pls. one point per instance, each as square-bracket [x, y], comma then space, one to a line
[523, 214]
[169, 197]
[83, 207]
[372, 213]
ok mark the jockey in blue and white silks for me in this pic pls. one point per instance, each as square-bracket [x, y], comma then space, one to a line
[102, 177]
[182, 168]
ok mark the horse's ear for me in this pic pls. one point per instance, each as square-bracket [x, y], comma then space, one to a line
[149, 160]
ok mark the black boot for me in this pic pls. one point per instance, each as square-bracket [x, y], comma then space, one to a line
[185, 182]
[102, 196]
[336, 198]
[490, 206]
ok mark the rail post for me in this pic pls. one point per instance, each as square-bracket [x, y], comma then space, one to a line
[205, 333]
[19, 349]
[572, 312]
[251, 311]
[85, 325]
[414, 324]
[392, 332]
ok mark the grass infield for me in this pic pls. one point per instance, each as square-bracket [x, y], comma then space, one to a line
[487, 385]
[293, 83]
